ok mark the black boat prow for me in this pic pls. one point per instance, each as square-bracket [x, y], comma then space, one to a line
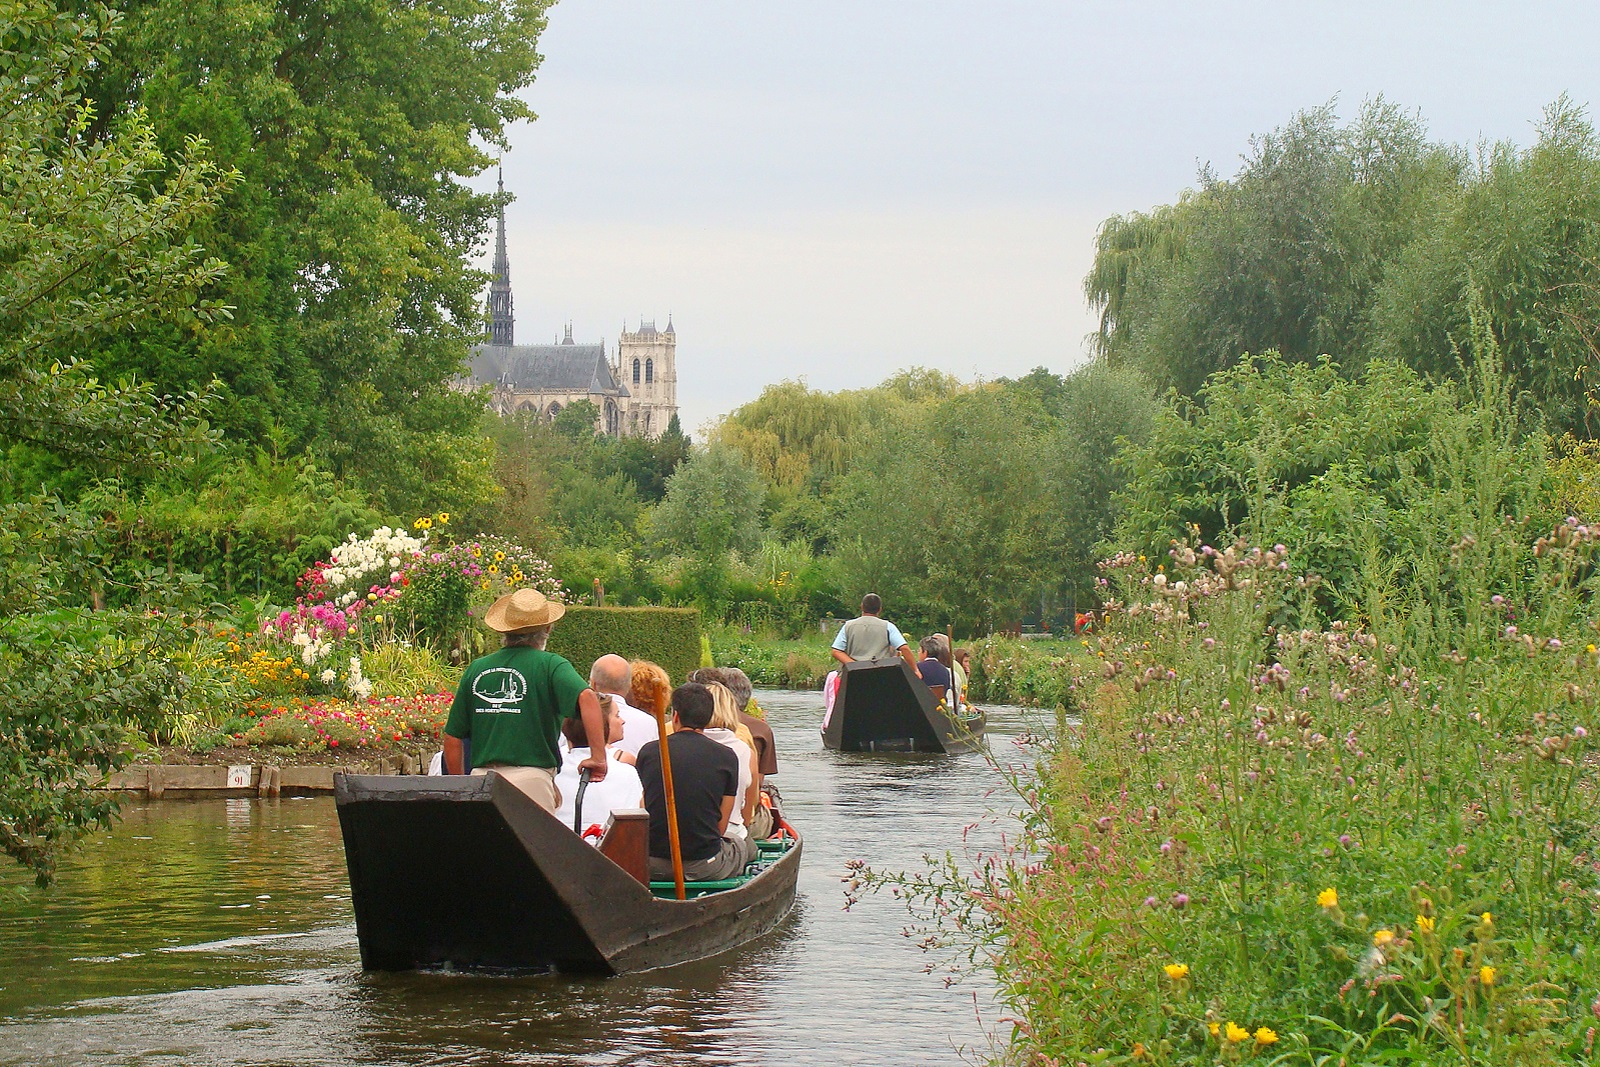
[882, 706]
[467, 873]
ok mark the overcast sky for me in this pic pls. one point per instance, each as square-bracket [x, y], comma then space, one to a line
[837, 190]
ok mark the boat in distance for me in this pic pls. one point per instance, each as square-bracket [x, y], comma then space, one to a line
[882, 706]
[464, 872]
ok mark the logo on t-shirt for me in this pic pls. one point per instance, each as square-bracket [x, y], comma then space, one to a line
[498, 687]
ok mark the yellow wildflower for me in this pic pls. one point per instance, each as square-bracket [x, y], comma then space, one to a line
[444, 518]
[484, 584]
[1177, 971]
[1590, 650]
[477, 553]
[1237, 1033]
[427, 524]
[499, 556]
[1424, 924]
[1265, 1036]
[1328, 898]
[1215, 1028]
[1486, 975]
[1488, 919]
[493, 569]
[1382, 937]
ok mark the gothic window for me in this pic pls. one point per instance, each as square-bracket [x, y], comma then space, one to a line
[635, 372]
[525, 406]
[555, 409]
[611, 418]
[647, 424]
[649, 371]
[633, 422]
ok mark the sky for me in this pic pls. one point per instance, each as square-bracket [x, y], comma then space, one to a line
[835, 191]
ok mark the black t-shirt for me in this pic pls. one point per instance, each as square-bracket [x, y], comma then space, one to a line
[703, 772]
[934, 673]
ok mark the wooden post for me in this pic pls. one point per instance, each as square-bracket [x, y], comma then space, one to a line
[599, 594]
[672, 807]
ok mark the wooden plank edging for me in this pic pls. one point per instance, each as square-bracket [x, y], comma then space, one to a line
[161, 780]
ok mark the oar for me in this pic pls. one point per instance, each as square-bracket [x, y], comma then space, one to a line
[577, 811]
[672, 807]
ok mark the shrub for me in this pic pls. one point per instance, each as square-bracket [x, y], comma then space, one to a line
[668, 636]
[1006, 670]
[773, 664]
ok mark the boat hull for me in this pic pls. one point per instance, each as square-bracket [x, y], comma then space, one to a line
[467, 873]
[882, 706]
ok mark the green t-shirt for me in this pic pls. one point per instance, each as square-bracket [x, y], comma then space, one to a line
[511, 703]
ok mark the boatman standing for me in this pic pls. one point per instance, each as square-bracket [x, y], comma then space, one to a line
[511, 703]
[870, 637]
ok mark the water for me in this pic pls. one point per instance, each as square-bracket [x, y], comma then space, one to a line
[220, 932]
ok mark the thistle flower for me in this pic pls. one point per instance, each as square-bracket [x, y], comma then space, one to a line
[1382, 937]
[1424, 924]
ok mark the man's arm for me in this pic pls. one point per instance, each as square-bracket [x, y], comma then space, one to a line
[841, 655]
[453, 755]
[594, 724]
[727, 813]
[905, 654]
[752, 797]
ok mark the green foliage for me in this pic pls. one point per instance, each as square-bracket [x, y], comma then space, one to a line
[1008, 670]
[1369, 241]
[668, 636]
[776, 664]
[351, 232]
[1348, 469]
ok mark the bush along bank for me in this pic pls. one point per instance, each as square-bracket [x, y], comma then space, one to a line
[1359, 844]
[1006, 670]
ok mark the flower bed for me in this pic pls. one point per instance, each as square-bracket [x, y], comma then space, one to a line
[347, 725]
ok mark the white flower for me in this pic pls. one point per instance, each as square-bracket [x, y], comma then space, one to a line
[308, 656]
[328, 676]
[394, 561]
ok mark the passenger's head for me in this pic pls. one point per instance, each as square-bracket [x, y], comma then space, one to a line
[871, 604]
[724, 708]
[707, 676]
[739, 683]
[577, 734]
[651, 688]
[963, 656]
[611, 674]
[693, 706]
[534, 637]
[936, 647]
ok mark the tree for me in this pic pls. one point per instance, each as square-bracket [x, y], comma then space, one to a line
[712, 508]
[578, 420]
[351, 231]
[94, 237]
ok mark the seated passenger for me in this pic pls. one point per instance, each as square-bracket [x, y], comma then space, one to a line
[612, 675]
[961, 667]
[705, 779]
[620, 789]
[724, 723]
[651, 689]
[766, 761]
[934, 672]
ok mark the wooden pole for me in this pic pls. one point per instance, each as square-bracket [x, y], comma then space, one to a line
[672, 807]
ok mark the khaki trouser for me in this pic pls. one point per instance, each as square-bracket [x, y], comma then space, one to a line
[728, 862]
[539, 783]
[761, 826]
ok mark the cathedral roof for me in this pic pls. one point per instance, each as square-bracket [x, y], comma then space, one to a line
[567, 367]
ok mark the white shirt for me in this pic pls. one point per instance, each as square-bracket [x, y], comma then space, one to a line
[638, 727]
[742, 750]
[619, 789]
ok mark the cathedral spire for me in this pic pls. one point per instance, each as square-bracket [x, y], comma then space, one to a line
[500, 318]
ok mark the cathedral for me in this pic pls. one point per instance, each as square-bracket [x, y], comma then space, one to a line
[635, 391]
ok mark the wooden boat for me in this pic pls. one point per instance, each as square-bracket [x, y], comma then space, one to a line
[882, 706]
[467, 873]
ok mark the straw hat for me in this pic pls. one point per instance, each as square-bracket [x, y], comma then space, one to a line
[522, 610]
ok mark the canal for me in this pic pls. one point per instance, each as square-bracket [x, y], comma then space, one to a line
[220, 932]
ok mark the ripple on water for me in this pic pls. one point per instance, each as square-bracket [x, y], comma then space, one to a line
[143, 954]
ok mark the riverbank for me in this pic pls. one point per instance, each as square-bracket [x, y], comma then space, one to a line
[1335, 844]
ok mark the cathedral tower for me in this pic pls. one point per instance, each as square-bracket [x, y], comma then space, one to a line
[647, 365]
[500, 319]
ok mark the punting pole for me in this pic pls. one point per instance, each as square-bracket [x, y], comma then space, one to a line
[672, 807]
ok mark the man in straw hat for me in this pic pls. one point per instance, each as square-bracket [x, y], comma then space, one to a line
[511, 703]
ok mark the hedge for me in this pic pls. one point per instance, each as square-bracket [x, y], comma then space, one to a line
[668, 636]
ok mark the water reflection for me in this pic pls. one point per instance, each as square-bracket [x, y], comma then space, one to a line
[219, 932]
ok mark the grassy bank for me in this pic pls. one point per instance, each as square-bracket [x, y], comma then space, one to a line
[1354, 845]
